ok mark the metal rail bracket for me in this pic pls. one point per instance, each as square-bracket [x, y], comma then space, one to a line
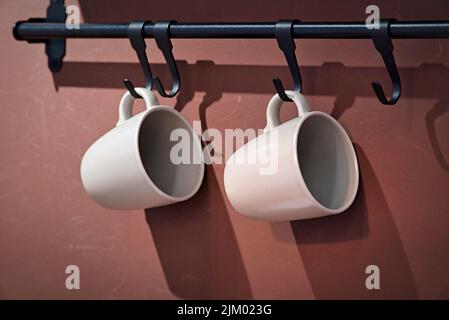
[54, 48]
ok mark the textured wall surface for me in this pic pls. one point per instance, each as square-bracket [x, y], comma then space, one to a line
[203, 248]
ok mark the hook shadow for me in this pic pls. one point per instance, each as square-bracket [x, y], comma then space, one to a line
[440, 109]
[384, 45]
[329, 79]
[215, 10]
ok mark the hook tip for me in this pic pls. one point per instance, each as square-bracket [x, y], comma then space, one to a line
[129, 85]
[381, 94]
[280, 90]
[161, 89]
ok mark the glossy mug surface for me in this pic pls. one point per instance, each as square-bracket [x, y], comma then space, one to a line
[315, 167]
[130, 166]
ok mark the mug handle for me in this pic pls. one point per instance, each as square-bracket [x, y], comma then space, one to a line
[125, 108]
[274, 108]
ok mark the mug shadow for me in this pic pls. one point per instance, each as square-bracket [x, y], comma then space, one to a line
[440, 109]
[336, 250]
[197, 246]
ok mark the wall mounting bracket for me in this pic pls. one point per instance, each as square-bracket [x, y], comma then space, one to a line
[54, 48]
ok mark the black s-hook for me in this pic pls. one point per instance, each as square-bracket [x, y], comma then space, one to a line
[135, 35]
[286, 42]
[383, 44]
[162, 37]
[161, 34]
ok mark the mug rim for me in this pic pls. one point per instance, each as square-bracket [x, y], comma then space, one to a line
[354, 160]
[141, 167]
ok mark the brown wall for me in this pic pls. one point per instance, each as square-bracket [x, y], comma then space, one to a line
[203, 248]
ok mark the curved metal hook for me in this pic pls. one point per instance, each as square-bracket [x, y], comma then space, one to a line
[286, 42]
[135, 35]
[383, 44]
[162, 36]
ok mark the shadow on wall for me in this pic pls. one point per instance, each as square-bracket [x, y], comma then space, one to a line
[231, 11]
[195, 240]
[336, 250]
[346, 83]
[329, 79]
[197, 246]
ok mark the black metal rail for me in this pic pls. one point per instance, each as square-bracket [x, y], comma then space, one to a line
[53, 32]
[41, 31]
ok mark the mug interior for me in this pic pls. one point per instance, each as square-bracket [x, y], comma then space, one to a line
[327, 162]
[155, 147]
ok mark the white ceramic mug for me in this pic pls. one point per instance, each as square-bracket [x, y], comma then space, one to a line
[316, 167]
[130, 166]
